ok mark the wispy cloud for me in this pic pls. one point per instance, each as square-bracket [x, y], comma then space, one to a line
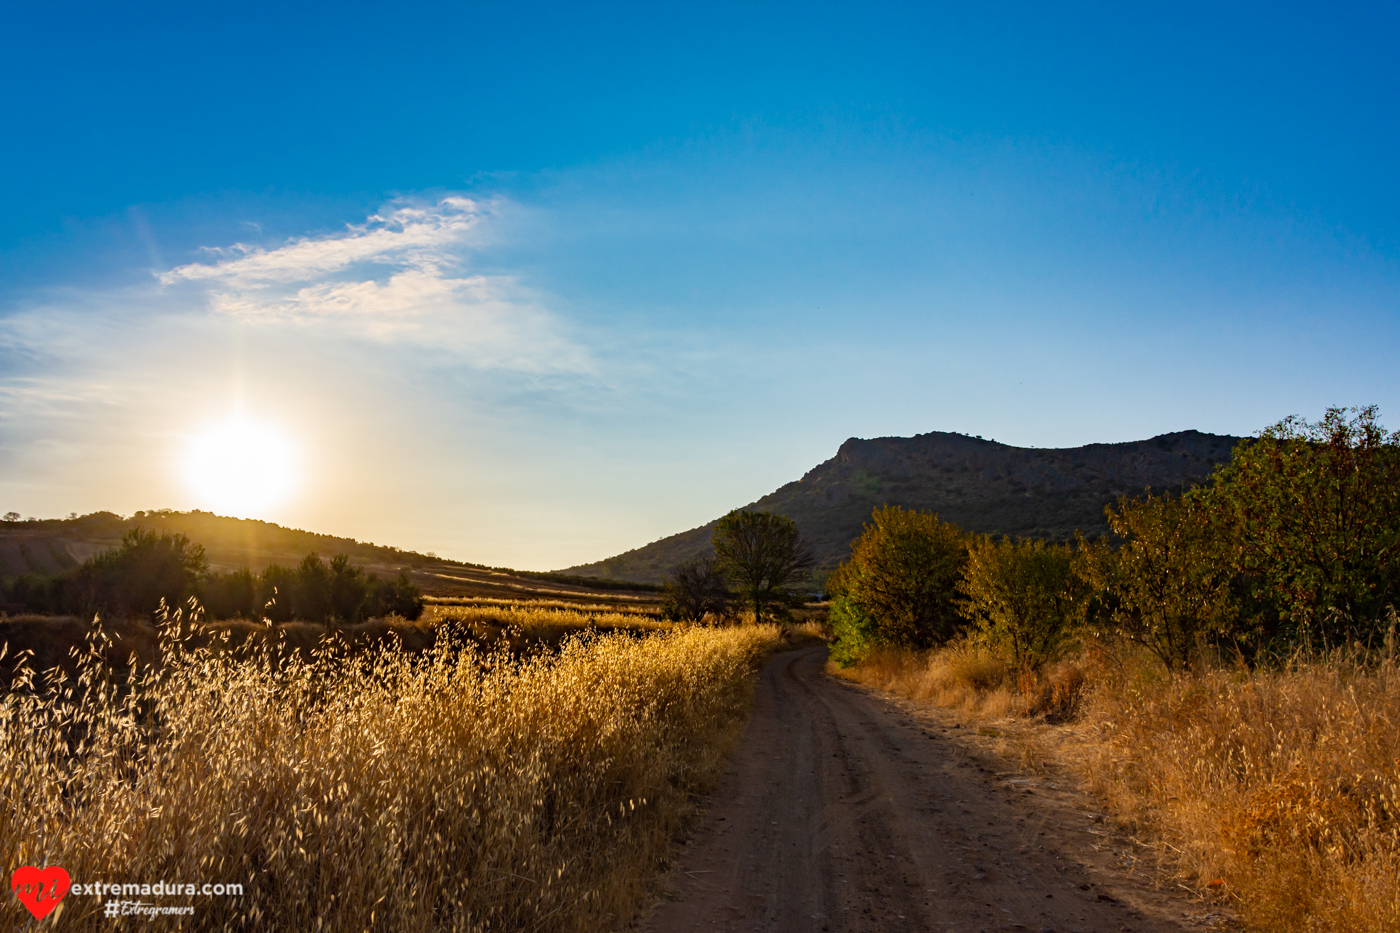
[403, 276]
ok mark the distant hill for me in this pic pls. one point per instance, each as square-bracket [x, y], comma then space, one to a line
[51, 546]
[981, 485]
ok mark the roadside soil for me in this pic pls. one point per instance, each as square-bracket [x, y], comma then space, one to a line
[845, 810]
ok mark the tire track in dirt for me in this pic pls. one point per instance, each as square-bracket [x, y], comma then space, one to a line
[841, 812]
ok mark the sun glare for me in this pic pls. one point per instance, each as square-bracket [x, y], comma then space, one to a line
[240, 468]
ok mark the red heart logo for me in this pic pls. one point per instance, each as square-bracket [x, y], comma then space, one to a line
[40, 891]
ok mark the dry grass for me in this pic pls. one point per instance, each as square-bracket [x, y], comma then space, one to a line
[525, 627]
[530, 616]
[1279, 790]
[641, 607]
[1282, 788]
[963, 676]
[809, 631]
[447, 790]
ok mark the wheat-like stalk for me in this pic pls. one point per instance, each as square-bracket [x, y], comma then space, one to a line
[449, 790]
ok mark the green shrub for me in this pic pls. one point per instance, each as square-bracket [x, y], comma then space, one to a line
[902, 572]
[1021, 595]
[854, 631]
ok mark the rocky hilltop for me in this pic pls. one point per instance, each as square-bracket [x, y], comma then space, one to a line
[981, 485]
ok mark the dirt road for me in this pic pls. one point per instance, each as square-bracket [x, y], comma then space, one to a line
[844, 812]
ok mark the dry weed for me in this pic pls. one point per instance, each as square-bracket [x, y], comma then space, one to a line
[963, 676]
[1278, 789]
[447, 790]
[1281, 788]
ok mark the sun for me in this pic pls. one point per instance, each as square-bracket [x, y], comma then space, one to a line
[240, 468]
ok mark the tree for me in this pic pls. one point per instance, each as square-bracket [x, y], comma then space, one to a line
[696, 588]
[312, 592]
[1315, 509]
[278, 589]
[1168, 584]
[311, 589]
[236, 594]
[136, 576]
[350, 590]
[11, 516]
[1021, 595]
[399, 596]
[764, 555]
[901, 578]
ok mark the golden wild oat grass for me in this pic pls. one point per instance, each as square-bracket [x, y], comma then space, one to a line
[963, 676]
[1279, 790]
[528, 618]
[628, 606]
[445, 790]
[1283, 785]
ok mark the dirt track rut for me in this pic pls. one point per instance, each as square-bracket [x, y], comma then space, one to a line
[843, 812]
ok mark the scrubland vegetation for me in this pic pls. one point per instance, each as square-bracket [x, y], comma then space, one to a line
[150, 570]
[450, 789]
[759, 566]
[1224, 664]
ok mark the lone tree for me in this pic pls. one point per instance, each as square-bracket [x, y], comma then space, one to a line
[697, 588]
[764, 555]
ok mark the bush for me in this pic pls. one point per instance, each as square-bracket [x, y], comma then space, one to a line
[853, 631]
[1021, 595]
[1168, 585]
[396, 597]
[902, 573]
[234, 595]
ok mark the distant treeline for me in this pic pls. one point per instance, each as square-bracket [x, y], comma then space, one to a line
[149, 569]
[1295, 544]
[569, 579]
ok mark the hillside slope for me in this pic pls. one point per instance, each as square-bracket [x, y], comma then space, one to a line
[981, 485]
[54, 545]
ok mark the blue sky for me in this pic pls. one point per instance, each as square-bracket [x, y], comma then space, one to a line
[532, 285]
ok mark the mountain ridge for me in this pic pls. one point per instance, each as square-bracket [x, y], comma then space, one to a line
[981, 485]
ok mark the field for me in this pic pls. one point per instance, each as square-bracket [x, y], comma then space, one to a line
[1275, 793]
[516, 786]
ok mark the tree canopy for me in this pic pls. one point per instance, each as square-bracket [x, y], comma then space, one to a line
[1314, 510]
[1021, 595]
[763, 554]
[902, 575]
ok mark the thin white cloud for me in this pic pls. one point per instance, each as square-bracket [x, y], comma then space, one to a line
[399, 277]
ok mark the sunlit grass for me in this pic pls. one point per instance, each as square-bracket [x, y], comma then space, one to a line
[1281, 788]
[1276, 790]
[447, 790]
[527, 616]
